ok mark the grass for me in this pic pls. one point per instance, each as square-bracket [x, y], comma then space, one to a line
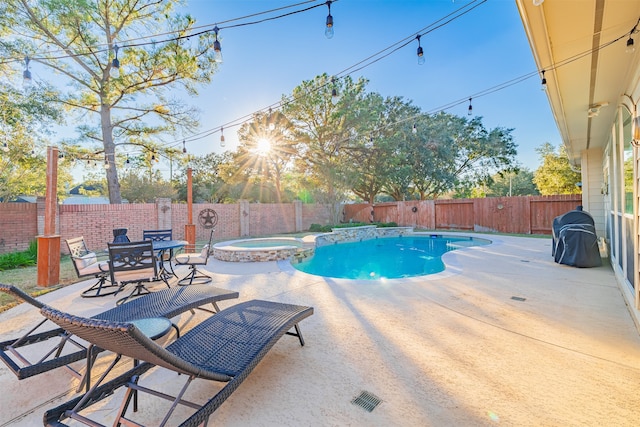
[26, 278]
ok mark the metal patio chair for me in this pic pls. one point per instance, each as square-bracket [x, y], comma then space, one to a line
[86, 264]
[134, 262]
[193, 260]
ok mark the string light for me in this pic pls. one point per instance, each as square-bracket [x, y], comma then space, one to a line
[106, 163]
[184, 148]
[115, 64]
[544, 81]
[5, 147]
[328, 31]
[26, 74]
[334, 92]
[127, 161]
[421, 57]
[272, 125]
[222, 143]
[470, 109]
[217, 49]
[415, 129]
[630, 47]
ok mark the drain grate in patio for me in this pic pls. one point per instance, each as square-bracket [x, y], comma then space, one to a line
[518, 298]
[368, 401]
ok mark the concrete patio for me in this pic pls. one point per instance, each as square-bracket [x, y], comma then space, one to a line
[454, 348]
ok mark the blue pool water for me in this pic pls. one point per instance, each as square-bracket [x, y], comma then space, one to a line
[384, 257]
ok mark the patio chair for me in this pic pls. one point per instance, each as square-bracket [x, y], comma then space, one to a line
[134, 262]
[120, 235]
[193, 260]
[86, 264]
[166, 303]
[225, 348]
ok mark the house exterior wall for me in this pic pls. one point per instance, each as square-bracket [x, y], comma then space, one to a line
[592, 187]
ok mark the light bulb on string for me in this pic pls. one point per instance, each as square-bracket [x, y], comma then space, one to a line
[544, 81]
[115, 64]
[272, 125]
[184, 148]
[127, 162]
[5, 147]
[420, 52]
[328, 31]
[222, 142]
[217, 49]
[630, 46]
[470, 109]
[27, 81]
[414, 130]
[106, 163]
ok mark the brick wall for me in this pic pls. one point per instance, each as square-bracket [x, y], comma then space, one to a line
[18, 226]
[19, 221]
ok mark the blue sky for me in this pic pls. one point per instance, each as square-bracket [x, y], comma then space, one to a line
[480, 50]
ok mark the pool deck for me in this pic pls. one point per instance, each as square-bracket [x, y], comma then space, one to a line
[504, 336]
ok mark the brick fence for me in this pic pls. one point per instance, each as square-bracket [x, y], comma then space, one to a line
[20, 223]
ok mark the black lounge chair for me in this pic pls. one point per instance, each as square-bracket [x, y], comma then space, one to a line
[225, 347]
[166, 303]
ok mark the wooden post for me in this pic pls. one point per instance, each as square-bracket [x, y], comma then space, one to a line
[190, 227]
[49, 243]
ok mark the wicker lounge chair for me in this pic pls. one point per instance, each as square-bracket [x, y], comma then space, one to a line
[225, 347]
[166, 303]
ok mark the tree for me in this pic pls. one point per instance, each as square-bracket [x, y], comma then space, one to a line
[23, 123]
[134, 107]
[266, 150]
[326, 126]
[208, 178]
[510, 182]
[555, 175]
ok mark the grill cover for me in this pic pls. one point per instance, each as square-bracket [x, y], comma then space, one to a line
[574, 240]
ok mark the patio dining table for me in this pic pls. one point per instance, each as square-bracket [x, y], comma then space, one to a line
[162, 246]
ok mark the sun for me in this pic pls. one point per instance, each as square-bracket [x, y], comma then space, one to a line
[263, 146]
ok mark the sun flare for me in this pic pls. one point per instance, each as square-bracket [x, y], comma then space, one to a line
[263, 146]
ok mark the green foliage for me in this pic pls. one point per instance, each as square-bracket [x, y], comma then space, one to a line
[26, 258]
[134, 108]
[555, 175]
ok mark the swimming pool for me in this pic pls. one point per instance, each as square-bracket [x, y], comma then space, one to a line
[384, 257]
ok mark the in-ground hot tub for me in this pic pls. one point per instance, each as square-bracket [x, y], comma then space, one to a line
[260, 249]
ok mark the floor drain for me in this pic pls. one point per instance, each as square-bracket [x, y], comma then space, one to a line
[518, 298]
[367, 401]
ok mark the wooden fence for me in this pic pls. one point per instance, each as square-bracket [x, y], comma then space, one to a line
[518, 215]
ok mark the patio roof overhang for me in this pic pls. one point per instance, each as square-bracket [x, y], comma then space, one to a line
[569, 41]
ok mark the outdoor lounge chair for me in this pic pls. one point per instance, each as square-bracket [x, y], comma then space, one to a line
[193, 260]
[166, 303]
[225, 347]
[86, 264]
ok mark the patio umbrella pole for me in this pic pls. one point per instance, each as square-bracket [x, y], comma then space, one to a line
[190, 227]
[49, 243]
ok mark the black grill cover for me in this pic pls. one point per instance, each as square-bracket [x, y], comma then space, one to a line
[574, 240]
